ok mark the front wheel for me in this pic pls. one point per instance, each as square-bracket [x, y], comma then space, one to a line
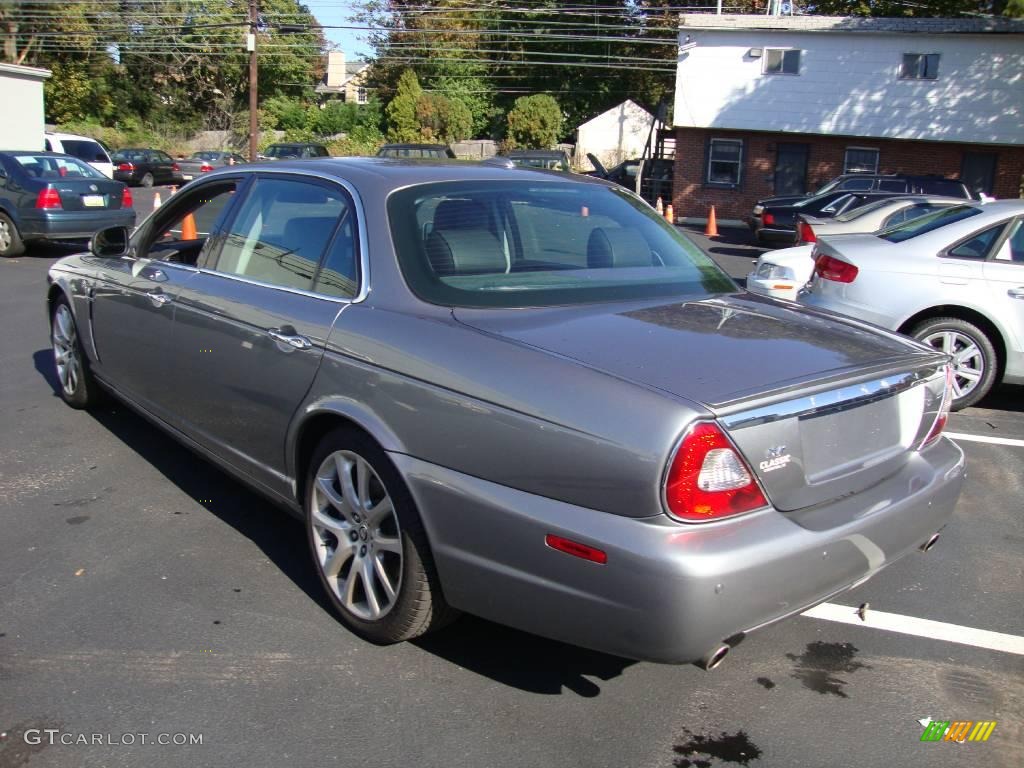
[11, 243]
[975, 362]
[368, 543]
[78, 388]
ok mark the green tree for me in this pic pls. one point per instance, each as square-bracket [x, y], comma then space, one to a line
[535, 122]
[402, 123]
[442, 119]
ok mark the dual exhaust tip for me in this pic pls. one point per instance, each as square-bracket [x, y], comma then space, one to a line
[717, 654]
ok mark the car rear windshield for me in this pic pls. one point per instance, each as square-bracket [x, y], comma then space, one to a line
[284, 150]
[855, 213]
[525, 243]
[56, 167]
[928, 223]
[89, 151]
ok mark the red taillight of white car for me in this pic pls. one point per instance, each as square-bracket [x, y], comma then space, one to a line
[943, 415]
[806, 233]
[828, 268]
[48, 199]
[708, 479]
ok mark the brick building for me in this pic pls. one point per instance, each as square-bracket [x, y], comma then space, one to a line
[779, 105]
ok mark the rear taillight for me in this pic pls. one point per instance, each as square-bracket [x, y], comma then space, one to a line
[126, 198]
[943, 415]
[128, 167]
[48, 199]
[838, 271]
[806, 234]
[205, 168]
[175, 167]
[767, 219]
[708, 479]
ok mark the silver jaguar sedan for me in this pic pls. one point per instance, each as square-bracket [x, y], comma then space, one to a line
[514, 393]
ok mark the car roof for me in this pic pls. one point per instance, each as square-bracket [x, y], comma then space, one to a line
[385, 174]
[536, 153]
[71, 136]
[414, 146]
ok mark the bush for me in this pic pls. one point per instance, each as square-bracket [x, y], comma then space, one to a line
[535, 122]
[402, 123]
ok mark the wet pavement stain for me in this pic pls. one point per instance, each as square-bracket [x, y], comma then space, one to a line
[765, 683]
[16, 750]
[816, 667]
[698, 752]
[77, 519]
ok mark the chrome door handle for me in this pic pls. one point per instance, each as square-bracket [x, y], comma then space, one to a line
[1016, 293]
[159, 298]
[292, 340]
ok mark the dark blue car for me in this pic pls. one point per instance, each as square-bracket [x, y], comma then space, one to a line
[50, 196]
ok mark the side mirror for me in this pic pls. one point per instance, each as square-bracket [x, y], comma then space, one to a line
[110, 243]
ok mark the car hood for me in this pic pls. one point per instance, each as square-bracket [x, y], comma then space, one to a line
[714, 351]
[771, 202]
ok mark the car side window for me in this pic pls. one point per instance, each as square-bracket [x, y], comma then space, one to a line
[281, 231]
[859, 185]
[182, 231]
[897, 218]
[339, 274]
[1012, 248]
[892, 185]
[978, 246]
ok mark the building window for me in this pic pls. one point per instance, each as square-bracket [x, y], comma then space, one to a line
[920, 66]
[361, 95]
[860, 160]
[725, 161]
[782, 61]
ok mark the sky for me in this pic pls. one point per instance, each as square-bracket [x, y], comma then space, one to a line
[337, 12]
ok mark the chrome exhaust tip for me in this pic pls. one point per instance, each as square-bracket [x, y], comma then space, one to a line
[931, 542]
[714, 657]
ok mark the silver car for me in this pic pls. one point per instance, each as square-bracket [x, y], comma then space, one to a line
[515, 393]
[783, 272]
[953, 279]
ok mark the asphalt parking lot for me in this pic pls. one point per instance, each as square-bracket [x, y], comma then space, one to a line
[142, 591]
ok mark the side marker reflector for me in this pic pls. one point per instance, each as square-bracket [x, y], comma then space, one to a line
[576, 549]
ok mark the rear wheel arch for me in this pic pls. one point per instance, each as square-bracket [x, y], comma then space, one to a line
[968, 315]
[312, 430]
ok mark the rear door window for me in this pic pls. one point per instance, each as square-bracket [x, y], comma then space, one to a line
[89, 151]
[978, 246]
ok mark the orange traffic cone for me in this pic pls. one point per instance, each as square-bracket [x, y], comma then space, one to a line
[670, 214]
[156, 201]
[660, 207]
[188, 228]
[712, 228]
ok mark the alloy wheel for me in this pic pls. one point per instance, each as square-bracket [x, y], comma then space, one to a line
[356, 536]
[968, 360]
[6, 239]
[65, 350]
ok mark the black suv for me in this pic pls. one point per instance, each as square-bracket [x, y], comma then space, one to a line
[899, 184]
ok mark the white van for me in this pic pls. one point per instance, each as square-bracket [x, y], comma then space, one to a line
[82, 147]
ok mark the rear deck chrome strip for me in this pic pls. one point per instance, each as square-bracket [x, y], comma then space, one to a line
[821, 403]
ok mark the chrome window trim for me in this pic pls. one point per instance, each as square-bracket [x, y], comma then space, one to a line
[829, 401]
[360, 211]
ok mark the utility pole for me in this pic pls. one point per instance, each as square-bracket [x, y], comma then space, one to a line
[254, 99]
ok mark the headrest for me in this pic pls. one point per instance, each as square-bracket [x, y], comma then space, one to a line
[458, 213]
[619, 247]
[465, 251]
[308, 236]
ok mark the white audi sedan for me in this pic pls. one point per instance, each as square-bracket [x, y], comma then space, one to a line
[953, 279]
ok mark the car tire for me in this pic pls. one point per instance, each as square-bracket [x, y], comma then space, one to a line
[975, 360]
[147, 180]
[78, 387]
[11, 243]
[384, 553]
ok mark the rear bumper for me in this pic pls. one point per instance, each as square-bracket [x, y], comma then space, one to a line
[72, 225]
[668, 592]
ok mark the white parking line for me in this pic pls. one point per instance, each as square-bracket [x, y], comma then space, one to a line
[909, 625]
[985, 439]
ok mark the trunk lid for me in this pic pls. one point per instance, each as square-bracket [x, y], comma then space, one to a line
[821, 407]
[88, 194]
